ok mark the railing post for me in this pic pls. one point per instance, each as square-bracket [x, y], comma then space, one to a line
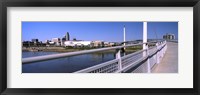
[118, 56]
[165, 46]
[157, 54]
[148, 63]
[162, 52]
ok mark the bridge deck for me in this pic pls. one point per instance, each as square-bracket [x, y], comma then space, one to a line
[169, 63]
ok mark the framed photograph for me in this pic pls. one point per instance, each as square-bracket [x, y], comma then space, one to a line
[102, 47]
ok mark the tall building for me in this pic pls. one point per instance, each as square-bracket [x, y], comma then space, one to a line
[35, 40]
[47, 41]
[56, 41]
[169, 36]
[67, 36]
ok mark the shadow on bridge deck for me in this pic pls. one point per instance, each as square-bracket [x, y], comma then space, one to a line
[169, 63]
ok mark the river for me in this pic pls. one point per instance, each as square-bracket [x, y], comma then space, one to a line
[64, 65]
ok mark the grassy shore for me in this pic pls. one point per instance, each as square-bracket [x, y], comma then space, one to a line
[71, 49]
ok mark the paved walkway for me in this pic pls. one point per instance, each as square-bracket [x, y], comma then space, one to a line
[169, 63]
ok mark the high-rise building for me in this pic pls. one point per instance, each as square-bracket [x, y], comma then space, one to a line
[63, 40]
[56, 41]
[169, 36]
[35, 40]
[47, 41]
[67, 36]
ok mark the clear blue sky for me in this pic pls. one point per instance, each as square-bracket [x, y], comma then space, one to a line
[106, 31]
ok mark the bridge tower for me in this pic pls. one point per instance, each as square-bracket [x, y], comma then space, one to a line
[145, 46]
[124, 36]
[144, 35]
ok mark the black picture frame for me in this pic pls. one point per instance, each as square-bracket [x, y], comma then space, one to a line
[99, 3]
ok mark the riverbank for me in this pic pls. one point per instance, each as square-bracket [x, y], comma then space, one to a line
[63, 49]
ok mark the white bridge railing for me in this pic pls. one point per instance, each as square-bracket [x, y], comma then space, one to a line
[138, 62]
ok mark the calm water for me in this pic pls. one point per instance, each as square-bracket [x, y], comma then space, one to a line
[64, 65]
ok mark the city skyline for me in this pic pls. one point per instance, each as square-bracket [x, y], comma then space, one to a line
[105, 31]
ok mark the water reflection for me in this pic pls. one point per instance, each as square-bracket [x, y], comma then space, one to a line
[65, 65]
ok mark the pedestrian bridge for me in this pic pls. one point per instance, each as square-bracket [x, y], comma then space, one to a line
[169, 63]
[141, 61]
[159, 58]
